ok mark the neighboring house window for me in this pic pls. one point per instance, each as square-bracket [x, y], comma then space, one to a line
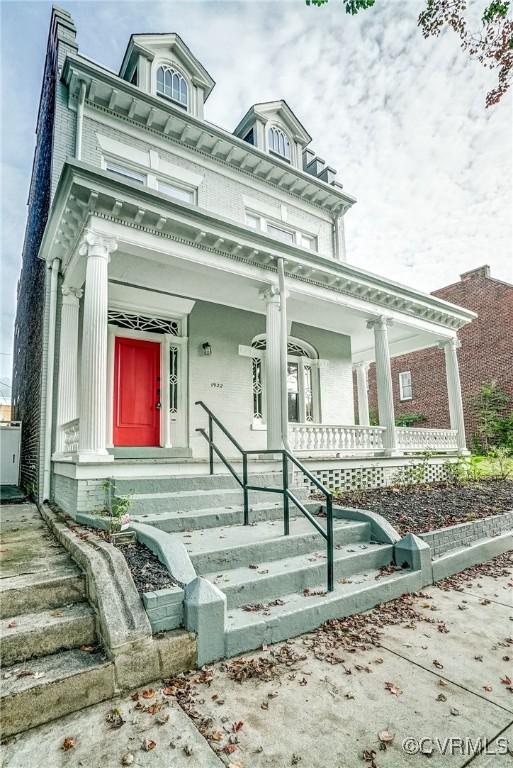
[127, 173]
[284, 234]
[278, 142]
[173, 190]
[301, 382]
[172, 85]
[405, 389]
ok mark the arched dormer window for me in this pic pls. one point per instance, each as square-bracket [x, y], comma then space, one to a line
[172, 85]
[302, 380]
[278, 142]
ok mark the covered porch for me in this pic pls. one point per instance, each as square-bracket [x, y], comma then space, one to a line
[157, 312]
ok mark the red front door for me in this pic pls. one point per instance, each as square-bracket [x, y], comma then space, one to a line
[136, 392]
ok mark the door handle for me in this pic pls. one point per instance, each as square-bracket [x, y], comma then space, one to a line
[158, 405]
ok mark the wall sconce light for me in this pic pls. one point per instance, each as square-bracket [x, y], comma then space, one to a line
[207, 349]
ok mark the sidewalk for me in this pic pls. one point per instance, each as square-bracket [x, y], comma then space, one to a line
[324, 699]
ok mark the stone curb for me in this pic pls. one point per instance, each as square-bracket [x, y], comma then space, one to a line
[381, 530]
[169, 549]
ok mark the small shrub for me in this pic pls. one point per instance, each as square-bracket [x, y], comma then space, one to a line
[409, 419]
[501, 463]
[116, 507]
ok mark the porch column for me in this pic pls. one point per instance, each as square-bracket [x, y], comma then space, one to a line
[93, 393]
[362, 370]
[384, 382]
[68, 362]
[272, 366]
[452, 372]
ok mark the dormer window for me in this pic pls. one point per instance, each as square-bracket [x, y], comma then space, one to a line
[278, 142]
[172, 85]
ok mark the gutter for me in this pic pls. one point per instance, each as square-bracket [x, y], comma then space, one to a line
[50, 367]
[80, 120]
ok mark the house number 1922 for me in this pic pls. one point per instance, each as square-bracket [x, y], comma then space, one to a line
[216, 385]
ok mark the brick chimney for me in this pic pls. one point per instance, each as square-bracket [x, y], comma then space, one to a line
[483, 271]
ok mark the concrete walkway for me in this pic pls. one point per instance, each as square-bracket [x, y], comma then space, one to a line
[427, 681]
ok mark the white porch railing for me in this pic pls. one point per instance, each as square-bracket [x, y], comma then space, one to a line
[329, 437]
[70, 432]
[418, 439]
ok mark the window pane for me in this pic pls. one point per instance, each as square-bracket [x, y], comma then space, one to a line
[308, 242]
[168, 83]
[160, 80]
[308, 394]
[281, 234]
[293, 406]
[128, 173]
[292, 377]
[185, 195]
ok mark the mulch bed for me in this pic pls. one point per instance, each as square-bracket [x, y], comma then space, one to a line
[147, 571]
[418, 509]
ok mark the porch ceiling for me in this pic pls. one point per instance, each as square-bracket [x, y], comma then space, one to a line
[189, 252]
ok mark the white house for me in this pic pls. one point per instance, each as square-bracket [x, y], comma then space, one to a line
[185, 262]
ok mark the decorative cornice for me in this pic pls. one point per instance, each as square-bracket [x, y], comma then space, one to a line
[96, 244]
[84, 191]
[381, 323]
[270, 294]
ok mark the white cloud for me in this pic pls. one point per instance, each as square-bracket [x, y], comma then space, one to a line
[401, 118]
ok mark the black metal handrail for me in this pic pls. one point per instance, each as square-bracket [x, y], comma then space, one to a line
[285, 491]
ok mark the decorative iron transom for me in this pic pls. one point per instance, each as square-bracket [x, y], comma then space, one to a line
[143, 323]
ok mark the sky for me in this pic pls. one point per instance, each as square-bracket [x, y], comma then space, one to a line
[402, 119]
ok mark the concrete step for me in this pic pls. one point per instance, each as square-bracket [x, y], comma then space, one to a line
[246, 631]
[32, 635]
[53, 686]
[238, 545]
[178, 483]
[187, 501]
[274, 578]
[38, 591]
[212, 517]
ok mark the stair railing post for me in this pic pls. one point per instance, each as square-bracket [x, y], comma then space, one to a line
[210, 441]
[245, 487]
[286, 515]
[329, 539]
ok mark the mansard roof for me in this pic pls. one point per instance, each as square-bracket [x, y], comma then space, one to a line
[151, 44]
[266, 110]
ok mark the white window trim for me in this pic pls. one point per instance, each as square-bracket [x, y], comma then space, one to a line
[152, 177]
[172, 66]
[264, 221]
[402, 396]
[273, 152]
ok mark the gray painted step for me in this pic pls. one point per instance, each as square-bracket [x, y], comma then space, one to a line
[177, 483]
[54, 686]
[236, 546]
[186, 501]
[46, 632]
[194, 520]
[37, 591]
[247, 631]
[275, 578]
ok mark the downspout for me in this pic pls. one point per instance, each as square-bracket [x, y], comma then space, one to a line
[80, 120]
[284, 335]
[50, 368]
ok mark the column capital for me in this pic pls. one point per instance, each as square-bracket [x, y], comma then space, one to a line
[381, 323]
[71, 294]
[362, 366]
[97, 244]
[454, 343]
[270, 294]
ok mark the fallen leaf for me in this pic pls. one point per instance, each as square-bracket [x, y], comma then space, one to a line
[229, 748]
[56, 613]
[455, 711]
[68, 743]
[488, 688]
[393, 689]
[115, 718]
[441, 697]
[216, 736]
[12, 624]
[386, 737]
[506, 680]
[87, 648]
[187, 750]
[149, 693]
[438, 664]
[127, 759]
[148, 744]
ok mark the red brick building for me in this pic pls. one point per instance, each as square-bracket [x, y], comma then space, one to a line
[486, 354]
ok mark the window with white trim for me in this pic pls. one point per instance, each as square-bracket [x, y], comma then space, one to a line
[405, 387]
[172, 85]
[302, 381]
[278, 142]
[175, 191]
[126, 172]
[280, 232]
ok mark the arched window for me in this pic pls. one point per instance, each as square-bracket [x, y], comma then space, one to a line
[172, 85]
[278, 142]
[302, 386]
